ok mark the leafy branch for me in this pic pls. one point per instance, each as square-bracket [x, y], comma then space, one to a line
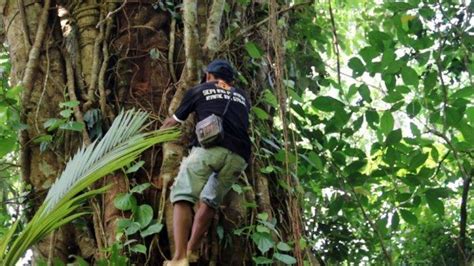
[123, 143]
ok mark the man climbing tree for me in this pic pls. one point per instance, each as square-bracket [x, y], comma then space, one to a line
[211, 169]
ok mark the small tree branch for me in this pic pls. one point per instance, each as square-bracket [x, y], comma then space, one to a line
[277, 35]
[26, 31]
[441, 162]
[453, 149]
[105, 63]
[191, 42]
[95, 67]
[171, 49]
[260, 23]
[213, 33]
[335, 42]
[463, 214]
[72, 96]
[45, 85]
[467, 178]
[34, 55]
[27, 83]
[110, 14]
[387, 256]
[52, 244]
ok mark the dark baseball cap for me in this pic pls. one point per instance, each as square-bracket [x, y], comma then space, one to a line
[221, 68]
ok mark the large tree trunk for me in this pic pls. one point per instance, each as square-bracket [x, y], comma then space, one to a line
[110, 55]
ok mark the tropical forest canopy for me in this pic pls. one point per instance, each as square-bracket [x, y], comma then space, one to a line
[372, 115]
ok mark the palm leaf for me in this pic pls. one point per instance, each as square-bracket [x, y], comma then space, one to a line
[123, 143]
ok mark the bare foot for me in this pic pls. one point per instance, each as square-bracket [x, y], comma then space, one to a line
[193, 256]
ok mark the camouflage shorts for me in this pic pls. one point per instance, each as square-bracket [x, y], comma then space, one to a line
[207, 174]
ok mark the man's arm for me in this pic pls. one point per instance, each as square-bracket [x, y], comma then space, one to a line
[185, 108]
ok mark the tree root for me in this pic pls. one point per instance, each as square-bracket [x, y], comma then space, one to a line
[95, 66]
[293, 207]
[102, 93]
[26, 31]
[72, 96]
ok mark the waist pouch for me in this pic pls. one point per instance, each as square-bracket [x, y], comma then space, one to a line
[210, 130]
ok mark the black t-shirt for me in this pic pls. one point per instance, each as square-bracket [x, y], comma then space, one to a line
[207, 99]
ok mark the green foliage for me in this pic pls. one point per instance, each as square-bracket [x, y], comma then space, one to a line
[253, 50]
[116, 258]
[434, 243]
[141, 220]
[382, 156]
[11, 188]
[263, 235]
[122, 144]
[125, 202]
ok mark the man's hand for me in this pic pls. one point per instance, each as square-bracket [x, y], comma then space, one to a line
[169, 122]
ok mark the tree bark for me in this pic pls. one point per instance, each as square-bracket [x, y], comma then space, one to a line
[41, 71]
[113, 55]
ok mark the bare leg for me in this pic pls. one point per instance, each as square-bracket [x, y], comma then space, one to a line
[182, 222]
[201, 223]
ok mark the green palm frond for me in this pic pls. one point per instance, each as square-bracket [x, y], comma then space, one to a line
[123, 143]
